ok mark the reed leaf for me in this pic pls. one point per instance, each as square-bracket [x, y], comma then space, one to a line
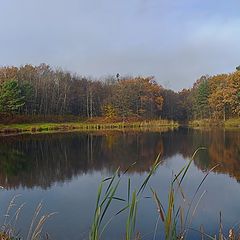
[159, 205]
[153, 169]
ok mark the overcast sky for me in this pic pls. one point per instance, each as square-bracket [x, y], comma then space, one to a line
[176, 41]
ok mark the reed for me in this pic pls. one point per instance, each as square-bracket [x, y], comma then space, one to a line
[176, 218]
[174, 215]
[8, 229]
[105, 199]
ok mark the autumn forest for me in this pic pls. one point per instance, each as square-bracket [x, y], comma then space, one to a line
[41, 90]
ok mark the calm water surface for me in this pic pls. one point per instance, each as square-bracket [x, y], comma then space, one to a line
[64, 171]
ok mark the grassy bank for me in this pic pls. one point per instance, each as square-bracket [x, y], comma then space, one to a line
[234, 122]
[205, 123]
[100, 124]
[230, 123]
[82, 126]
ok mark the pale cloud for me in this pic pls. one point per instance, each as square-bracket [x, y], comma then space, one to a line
[176, 41]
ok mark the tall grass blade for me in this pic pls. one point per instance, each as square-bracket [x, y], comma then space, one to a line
[131, 221]
[190, 162]
[203, 233]
[119, 199]
[38, 229]
[156, 226]
[122, 210]
[168, 222]
[109, 200]
[153, 169]
[10, 206]
[129, 189]
[129, 167]
[159, 205]
[198, 202]
[221, 237]
[111, 182]
[196, 191]
[35, 215]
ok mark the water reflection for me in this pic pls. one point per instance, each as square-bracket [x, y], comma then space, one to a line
[42, 160]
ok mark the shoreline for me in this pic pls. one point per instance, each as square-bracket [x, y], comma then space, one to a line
[34, 128]
[212, 123]
[83, 126]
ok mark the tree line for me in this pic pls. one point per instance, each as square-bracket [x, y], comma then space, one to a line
[42, 90]
[216, 96]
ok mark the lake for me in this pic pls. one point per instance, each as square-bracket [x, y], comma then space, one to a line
[63, 170]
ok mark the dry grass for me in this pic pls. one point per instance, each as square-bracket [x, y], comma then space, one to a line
[9, 230]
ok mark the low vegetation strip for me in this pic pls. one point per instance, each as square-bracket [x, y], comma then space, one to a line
[83, 126]
[235, 122]
[230, 123]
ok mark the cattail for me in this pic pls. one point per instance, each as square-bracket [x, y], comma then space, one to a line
[231, 235]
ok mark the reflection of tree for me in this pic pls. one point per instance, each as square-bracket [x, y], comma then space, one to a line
[13, 162]
[41, 160]
[58, 157]
[224, 149]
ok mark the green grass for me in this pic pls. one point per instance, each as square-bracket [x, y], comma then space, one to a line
[83, 126]
[207, 123]
[106, 198]
[234, 122]
[175, 217]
